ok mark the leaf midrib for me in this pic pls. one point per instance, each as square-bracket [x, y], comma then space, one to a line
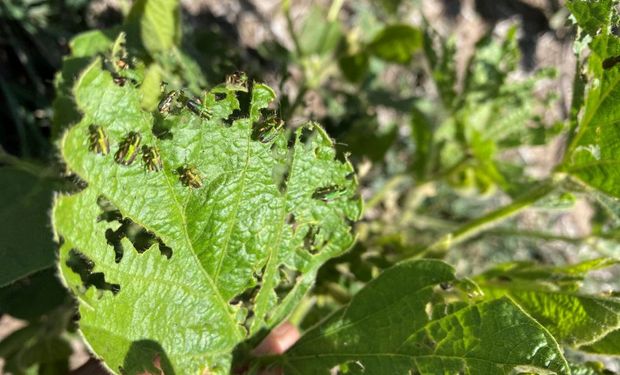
[190, 245]
[231, 223]
[271, 264]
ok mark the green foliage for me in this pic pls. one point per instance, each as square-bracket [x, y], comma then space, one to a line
[159, 24]
[551, 295]
[474, 124]
[592, 16]
[396, 43]
[43, 345]
[192, 216]
[26, 245]
[256, 217]
[318, 36]
[391, 328]
[592, 153]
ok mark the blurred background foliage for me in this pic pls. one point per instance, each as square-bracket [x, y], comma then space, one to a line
[448, 109]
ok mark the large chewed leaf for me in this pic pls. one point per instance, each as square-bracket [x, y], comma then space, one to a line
[593, 153]
[83, 46]
[399, 324]
[551, 295]
[26, 244]
[199, 225]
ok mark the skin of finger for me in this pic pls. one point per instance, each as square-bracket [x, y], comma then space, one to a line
[278, 340]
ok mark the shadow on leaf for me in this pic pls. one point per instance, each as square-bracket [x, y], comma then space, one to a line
[146, 357]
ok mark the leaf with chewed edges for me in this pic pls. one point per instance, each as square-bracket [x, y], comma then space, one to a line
[185, 262]
[592, 155]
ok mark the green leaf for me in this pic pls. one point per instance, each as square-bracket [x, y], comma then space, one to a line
[551, 295]
[92, 42]
[34, 296]
[592, 16]
[398, 324]
[221, 242]
[590, 368]
[592, 155]
[158, 22]
[354, 67]
[319, 36]
[26, 245]
[150, 88]
[608, 344]
[391, 6]
[422, 133]
[396, 43]
[441, 56]
[83, 46]
[489, 67]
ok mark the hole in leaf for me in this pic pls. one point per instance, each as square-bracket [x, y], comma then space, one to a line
[290, 220]
[110, 212]
[281, 171]
[245, 302]
[83, 266]
[236, 115]
[280, 177]
[246, 299]
[115, 241]
[310, 240]
[141, 238]
[219, 96]
[288, 280]
[292, 140]
[307, 134]
[162, 129]
[245, 101]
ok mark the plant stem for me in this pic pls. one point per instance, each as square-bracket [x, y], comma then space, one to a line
[334, 9]
[286, 6]
[489, 220]
[34, 169]
[300, 312]
[533, 234]
[397, 179]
